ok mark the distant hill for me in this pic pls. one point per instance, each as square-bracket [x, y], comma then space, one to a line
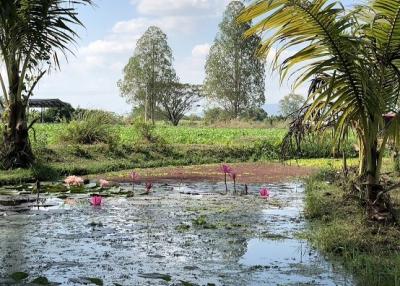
[272, 109]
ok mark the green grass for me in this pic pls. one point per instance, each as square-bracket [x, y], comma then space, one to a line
[63, 160]
[181, 145]
[178, 135]
[339, 228]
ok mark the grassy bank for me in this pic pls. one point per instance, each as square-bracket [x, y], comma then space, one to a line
[65, 160]
[340, 229]
[127, 148]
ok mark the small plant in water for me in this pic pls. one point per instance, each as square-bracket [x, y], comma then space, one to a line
[226, 170]
[264, 193]
[134, 177]
[74, 181]
[149, 186]
[233, 175]
[96, 200]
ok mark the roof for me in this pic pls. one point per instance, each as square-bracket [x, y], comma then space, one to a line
[48, 103]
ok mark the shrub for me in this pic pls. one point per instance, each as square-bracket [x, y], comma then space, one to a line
[106, 116]
[254, 114]
[43, 172]
[216, 114]
[91, 128]
[146, 131]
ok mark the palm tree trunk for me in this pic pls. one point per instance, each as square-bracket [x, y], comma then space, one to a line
[372, 172]
[17, 151]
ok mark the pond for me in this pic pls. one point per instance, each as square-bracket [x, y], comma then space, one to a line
[181, 234]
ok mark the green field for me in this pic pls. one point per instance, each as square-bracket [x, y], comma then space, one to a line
[127, 134]
[178, 146]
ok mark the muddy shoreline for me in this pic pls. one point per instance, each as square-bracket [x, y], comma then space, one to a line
[247, 173]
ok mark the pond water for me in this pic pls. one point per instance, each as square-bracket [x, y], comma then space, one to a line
[181, 234]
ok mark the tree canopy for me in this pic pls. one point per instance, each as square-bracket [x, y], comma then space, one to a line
[291, 104]
[149, 71]
[234, 75]
[352, 57]
[178, 99]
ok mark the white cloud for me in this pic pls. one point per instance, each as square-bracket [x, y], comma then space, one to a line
[178, 7]
[201, 50]
[167, 24]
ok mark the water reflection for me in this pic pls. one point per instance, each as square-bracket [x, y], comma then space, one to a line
[143, 239]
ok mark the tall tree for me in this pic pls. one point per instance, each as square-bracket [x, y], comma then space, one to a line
[149, 71]
[234, 75]
[290, 104]
[178, 99]
[32, 32]
[353, 59]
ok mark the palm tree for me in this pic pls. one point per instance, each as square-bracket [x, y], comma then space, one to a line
[352, 57]
[32, 33]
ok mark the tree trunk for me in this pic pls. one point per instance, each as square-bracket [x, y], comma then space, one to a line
[16, 149]
[372, 173]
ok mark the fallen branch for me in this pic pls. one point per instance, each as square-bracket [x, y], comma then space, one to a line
[381, 193]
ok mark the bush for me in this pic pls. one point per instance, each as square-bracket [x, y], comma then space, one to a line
[254, 114]
[146, 131]
[43, 172]
[106, 116]
[91, 128]
[216, 114]
[53, 115]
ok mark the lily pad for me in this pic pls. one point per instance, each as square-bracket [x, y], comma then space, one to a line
[114, 190]
[41, 281]
[96, 281]
[19, 276]
[91, 186]
[77, 190]
[55, 188]
[164, 277]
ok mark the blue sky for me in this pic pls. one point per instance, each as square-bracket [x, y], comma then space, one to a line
[89, 79]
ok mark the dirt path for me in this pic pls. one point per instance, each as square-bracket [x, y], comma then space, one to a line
[246, 173]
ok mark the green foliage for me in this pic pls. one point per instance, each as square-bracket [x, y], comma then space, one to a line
[201, 222]
[146, 131]
[254, 114]
[179, 99]
[19, 276]
[91, 128]
[339, 228]
[291, 104]
[44, 172]
[234, 75]
[261, 139]
[216, 114]
[32, 35]
[106, 117]
[149, 71]
[53, 115]
[353, 60]
[41, 281]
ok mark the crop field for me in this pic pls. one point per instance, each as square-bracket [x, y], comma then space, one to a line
[128, 135]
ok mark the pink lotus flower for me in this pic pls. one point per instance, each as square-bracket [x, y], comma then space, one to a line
[134, 176]
[104, 183]
[264, 193]
[96, 200]
[149, 185]
[226, 169]
[74, 181]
